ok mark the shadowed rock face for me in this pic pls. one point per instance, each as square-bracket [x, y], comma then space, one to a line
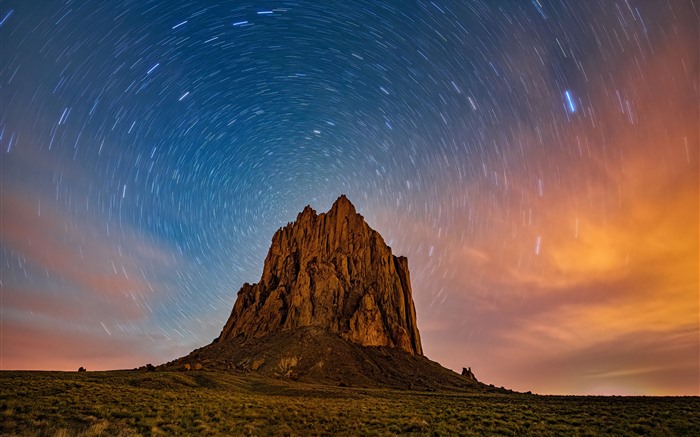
[330, 271]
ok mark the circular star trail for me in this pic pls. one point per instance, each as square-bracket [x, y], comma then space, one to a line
[536, 161]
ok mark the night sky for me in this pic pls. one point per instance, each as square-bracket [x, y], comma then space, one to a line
[536, 161]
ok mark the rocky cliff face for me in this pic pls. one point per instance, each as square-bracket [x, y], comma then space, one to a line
[330, 271]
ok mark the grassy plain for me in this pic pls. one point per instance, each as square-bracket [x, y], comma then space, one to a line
[217, 403]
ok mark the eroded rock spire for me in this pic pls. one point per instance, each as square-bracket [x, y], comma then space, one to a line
[332, 271]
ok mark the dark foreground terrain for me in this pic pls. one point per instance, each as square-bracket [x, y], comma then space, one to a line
[205, 402]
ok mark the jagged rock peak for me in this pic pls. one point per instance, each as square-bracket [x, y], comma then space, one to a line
[330, 270]
[308, 210]
[343, 207]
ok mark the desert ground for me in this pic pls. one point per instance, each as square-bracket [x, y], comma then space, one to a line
[218, 403]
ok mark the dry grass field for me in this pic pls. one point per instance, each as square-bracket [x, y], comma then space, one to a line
[217, 403]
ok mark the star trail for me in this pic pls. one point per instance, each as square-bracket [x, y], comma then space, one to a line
[536, 161]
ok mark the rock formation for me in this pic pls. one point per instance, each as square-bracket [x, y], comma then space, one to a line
[467, 372]
[333, 306]
[332, 271]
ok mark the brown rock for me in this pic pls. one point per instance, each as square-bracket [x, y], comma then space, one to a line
[467, 372]
[332, 271]
[333, 305]
[286, 365]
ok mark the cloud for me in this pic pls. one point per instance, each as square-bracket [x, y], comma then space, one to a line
[23, 300]
[65, 249]
[582, 275]
[616, 366]
[28, 345]
[72, 294]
